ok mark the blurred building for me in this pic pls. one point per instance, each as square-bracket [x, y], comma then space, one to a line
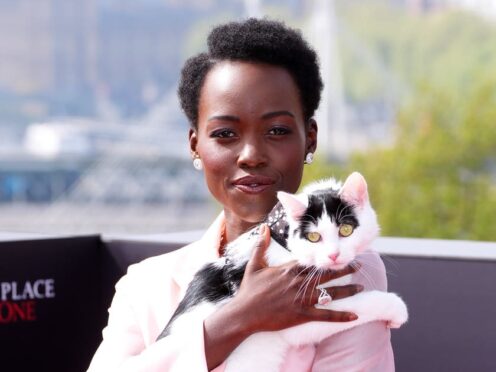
[63, 57]
[75, 46]
[47, 45]
[57, 55]
[26, 62]
[139, 54]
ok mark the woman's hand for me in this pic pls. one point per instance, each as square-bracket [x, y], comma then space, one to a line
[275, 298]
[270, 299]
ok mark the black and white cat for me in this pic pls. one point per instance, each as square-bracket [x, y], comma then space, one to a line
[324, 227]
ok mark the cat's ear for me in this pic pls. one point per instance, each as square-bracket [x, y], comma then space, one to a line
[294, 205]
[354, 190]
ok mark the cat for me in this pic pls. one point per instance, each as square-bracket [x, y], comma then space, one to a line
[324, 227]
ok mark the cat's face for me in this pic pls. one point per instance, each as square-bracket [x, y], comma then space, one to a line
[328, 224]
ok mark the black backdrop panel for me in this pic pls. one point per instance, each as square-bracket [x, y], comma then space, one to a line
[51, 308]
[452, 308]
[117, 255]
[54, 295]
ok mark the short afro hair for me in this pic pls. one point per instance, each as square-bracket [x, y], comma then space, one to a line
[254, 40]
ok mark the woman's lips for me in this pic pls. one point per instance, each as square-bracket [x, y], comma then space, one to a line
[252, 189]
[253, 184]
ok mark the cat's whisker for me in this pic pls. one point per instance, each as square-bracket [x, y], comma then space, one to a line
[378, 268]
[319, 273]
[340, 211]
[342, 217]
[362, 270]
[355, 265]
[348, 210]
[306, 283]
[391, 268]
[308, 280]
[307, 221]
[390, 260]
[303, 269]
[301, 288]
[368, 277]
[312, 218]
[346, 215]
[371, 265]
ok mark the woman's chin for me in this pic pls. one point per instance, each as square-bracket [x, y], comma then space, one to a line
[254, 209]
[254, 216]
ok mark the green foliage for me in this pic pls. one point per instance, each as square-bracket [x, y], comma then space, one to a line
[438, 180]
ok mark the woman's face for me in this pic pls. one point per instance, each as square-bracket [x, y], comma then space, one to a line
[251, 137]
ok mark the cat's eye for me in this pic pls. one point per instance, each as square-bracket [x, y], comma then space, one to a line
[345, 230]
[313, 236]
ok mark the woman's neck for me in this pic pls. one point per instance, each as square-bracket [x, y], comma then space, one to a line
[235, 226]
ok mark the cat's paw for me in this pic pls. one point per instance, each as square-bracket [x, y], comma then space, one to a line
[393, 324]
[399, 314]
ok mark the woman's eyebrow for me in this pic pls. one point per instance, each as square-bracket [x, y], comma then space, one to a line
[270, 115]
[224, 118]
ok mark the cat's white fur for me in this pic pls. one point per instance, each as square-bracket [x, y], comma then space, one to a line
[265, 351]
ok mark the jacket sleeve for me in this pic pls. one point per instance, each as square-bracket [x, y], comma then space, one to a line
[129, 338]
[366, 347]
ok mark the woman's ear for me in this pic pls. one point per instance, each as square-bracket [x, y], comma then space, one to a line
[312, 131]
[193, 140]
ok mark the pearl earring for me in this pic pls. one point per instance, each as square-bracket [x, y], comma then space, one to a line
[309, 158]
[197, 163]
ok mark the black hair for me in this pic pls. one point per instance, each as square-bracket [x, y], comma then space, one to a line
[254, 40]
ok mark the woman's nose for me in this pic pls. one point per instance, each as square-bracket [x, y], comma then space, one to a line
[252, 155]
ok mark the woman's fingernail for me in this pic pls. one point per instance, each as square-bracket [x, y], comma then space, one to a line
[360, 287]
[261, 231]
[352, 317]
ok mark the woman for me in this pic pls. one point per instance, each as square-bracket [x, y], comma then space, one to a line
[250, 101]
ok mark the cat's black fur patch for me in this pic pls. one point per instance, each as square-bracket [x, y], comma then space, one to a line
[338, 210]
[211, 283]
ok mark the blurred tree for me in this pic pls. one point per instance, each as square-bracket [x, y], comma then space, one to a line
[439, 178]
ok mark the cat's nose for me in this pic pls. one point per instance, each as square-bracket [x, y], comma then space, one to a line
[334, 256]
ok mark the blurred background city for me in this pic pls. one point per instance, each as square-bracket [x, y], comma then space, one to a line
[92, 138]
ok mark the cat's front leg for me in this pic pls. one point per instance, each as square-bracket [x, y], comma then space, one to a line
[261, 352]
[373, 305]
[369, 306]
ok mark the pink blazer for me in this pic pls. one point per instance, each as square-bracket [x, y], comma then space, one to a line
[149, 293]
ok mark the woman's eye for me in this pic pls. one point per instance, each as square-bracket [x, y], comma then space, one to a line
[346, 230]
[278, 131]
[223, 133]
[313, 236]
